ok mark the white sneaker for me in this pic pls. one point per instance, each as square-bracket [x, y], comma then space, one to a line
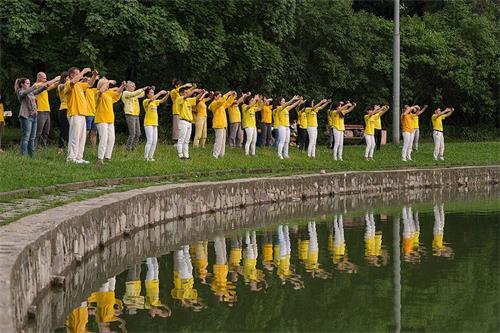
[404, 159]
[70, 160]
[340, 159]
[441, 158]
[281, 157]
[151, 160]
[287, 157]
[82, 161]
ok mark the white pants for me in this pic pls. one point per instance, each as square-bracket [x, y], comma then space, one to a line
[220, 250]
[416, 137]
[338, 146]
[106, 140]
[220, 142]
[312, 132]
[283, 141]
[77, 137]
[151, 140]
[153, 269]
[438, 144]
[185, 128]
[251, 133]
[407, 145]
[370, 145]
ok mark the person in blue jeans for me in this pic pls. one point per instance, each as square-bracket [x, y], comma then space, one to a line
[28, 112]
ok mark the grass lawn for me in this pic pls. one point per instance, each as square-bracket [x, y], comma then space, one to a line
[49, 168]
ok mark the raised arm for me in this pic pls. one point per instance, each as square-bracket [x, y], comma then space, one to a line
[293, 100]
[297, 102]
[242, 97]
[384, 109]
[93, 78]
[350, 107]
[164, 99]
[448, 111]
[422, 110]
[79, 76]
[321, 105]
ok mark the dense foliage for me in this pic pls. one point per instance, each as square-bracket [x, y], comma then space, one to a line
[450, 49]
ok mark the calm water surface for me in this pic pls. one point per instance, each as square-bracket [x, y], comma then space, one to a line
[343, 271]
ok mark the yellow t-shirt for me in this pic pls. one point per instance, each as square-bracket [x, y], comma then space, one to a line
[312, 117]
[75, 94]
[302, 119]
[218, 107]
[235, 256]
[407, 122]
[42, 100]
[174, 94]
[62, 98]
[338, 120]
[104, 113]
[185, 108]
[377, 121]
[266, 114]
[369, 125]
[105, 306]
[234, 114]
[151, 108]
[437, 122]
[91, 96]
[201, 109]
[330, 117]
[283, 114]
[415, 121]
[276, 117]
[2, 110]
[249, 116]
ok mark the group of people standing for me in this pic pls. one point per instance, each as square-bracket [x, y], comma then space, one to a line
[87, 111]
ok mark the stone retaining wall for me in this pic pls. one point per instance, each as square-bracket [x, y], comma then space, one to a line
[37, 247]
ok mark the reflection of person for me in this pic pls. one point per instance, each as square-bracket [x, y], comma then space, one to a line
[312, 264]
[373, 242]
[201, 260]
[410, 236]
[153, 302]
[221, 287]
[184, 290]
[438, 247]
[235, 255]
[132, 298]
[252, 275]
[283, 251]
[267, 251]
[78, 319]
[108, 307]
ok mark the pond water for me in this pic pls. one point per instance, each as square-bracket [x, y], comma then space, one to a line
[364, 264]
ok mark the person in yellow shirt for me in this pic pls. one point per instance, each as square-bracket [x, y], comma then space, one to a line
[302, 139]
[282, 112]
[174, 93]
[74, 89]
[266, 120]
[369, 131]
[439, 248]
[337, 246]
[90, 125]
[150, 104]
[416, 129]
[105, 117]
[184, 290]
[267, 251]
[337, 114]
[152, 283]
[235, 256]
[311, 262]
[312, 124]
[235, 129]
[78, 319]
[2, 121]
[283, 254]
[62, 116]
[249, 108]
[374, 254]
[185, 103]
[254, 277]
[407, 131]
[200, 133]
[130, 99]
[43, 115]
[219, 121]
[201, 260]
[437, 134]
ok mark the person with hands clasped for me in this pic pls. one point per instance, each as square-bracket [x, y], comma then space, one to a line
[437, 134]
[150, 104]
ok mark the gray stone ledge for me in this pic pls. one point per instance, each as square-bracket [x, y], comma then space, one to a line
[39, 246]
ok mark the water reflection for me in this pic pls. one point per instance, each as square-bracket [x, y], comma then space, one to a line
[228, 269]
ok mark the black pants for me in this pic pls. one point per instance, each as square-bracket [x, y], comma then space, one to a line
[378, 138]
[266, 136]
[303, 138]
[63, 128]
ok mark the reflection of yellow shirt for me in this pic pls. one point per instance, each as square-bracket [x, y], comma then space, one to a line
[312, 260]
[437, 122]
[78, 319]
[183, 288]
[303, 246]
[133, 294]
[152, 293]
[437, 242]
[378, 243]
[151, 107]
[250, 269]
[106, 306]
[267, 252]
[235, 256]
[370, 247]
[220, 285]
[407, 245]
[2, 119]
[284, 266]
